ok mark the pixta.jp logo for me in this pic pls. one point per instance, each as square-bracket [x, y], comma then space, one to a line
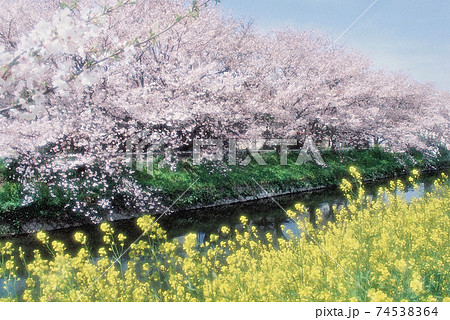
[144, 148]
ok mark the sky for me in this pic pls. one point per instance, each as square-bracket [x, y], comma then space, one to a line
[412, 36]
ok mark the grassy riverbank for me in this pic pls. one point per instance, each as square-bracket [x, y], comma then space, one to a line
[220, 182]
[217, 182]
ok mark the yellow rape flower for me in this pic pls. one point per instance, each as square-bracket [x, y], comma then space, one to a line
[80, 238]
[121, 237]
[42, 237]
[225, 230]
[416, 286]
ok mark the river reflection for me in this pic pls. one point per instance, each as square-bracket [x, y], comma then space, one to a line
[267, 216]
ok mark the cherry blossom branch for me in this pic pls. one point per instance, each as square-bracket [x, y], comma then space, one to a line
[192, 12]
[141, 43]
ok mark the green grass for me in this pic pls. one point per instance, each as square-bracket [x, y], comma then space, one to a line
[10, 191]
[238, 181]
[217, 181]
[10, 196]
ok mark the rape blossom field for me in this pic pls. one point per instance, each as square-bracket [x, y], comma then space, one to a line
[391, 250]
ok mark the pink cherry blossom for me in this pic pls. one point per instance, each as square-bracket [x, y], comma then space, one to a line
[76, 84]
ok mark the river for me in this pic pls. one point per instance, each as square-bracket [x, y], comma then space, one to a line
[264, 214]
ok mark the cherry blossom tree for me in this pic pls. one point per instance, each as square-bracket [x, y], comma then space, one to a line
[80, 79]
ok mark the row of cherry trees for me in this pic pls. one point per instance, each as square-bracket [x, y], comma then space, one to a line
[79, 79]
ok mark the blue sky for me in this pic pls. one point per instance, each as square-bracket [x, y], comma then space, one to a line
[412, 36]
